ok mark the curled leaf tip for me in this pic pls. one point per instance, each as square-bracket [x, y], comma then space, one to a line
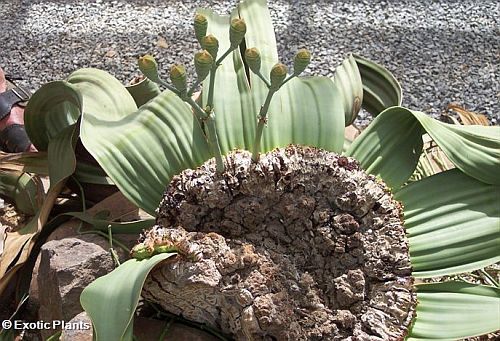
[203, 61]
[301, 61]
[149, 67]
[253, 60]
[200, 26]
[278, 74]
[211, 44]
[237, 31]
[178, 77]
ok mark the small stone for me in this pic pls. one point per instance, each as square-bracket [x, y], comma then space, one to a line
[110, 54]
[79, 328]
[162, 43]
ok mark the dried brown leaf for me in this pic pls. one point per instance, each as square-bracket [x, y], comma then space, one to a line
[31, 162]
[18, 244]
[469, 117]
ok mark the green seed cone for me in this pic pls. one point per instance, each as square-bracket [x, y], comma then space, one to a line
[237, 31]
[302, 59]
[200, 26]
[253, 60]
[178, 77]
[203, 61]
[141, 251]
[149, 67]
[278, 74]
[164, 248]
[211, 44]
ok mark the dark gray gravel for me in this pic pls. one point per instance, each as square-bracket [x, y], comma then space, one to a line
[440, 51]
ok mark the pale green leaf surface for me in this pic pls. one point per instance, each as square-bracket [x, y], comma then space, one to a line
[347, 78]
[306, 111]
[139, 149]
[111, 300]
[473, 149]
[141, 152]
[102, 95]
[55, 106]
[61, 154]
[23, 189]
[28, 193]
[392, 144]
[347, 144]
[390, 147]
[452, 222]
[52, 109]
[455, 310]
[380, 89]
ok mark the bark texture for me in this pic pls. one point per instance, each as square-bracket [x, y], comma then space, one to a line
[301, 246]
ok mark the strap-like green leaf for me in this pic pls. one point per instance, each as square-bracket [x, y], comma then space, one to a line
[392, 144]
[111, 300]
[142, 151]
[453, 223]
[139, 149]
[390, 147]
[55, 106]
[61, 154]
[305, 111]
[51, 109]
[26, 190]
[380, 89]
[455, 310]
[127, 227]
[103, 98]
[473, 149]
[347, 78]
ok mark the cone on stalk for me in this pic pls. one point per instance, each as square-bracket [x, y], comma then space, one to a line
[203, 61]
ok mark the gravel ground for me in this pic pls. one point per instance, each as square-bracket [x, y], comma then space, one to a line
[440, 51]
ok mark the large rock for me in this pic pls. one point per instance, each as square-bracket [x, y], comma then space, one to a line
[67, 266]
[57, 282]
